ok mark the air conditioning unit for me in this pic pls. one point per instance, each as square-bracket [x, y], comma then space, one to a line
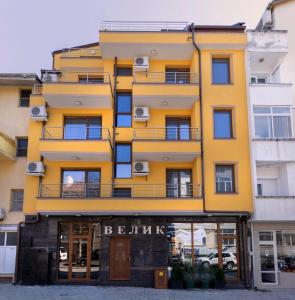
[141, 63]
[50, 77]
[38, 113]
[267, 20]
[141, 114]
[35, 168]
[2, 214]
[141, 168]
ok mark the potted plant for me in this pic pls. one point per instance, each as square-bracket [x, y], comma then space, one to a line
[189, 278]
[206, 277]
[176, 281]
[219, 278]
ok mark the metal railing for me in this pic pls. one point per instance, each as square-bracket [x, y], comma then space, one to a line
[142, 26]
[75, 77]
[167, 134]
[37, 89]
[76, 132]
[94, 190]
[165, 77]
[81, 52]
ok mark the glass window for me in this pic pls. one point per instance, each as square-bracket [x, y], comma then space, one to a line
[91, 79]
[124, 110]
[95, 251]
[223, 124]
[225, 179]
[267, 264]
[21, 147]
[17, 199]
[272, 122]
[220, 70]
[286, 250]
[177, 75]
[123, 161]
[2, 238]
[122, 192]
[24, 100]
[124, 71]
[179, 183]
[11, 239]
[178, 129]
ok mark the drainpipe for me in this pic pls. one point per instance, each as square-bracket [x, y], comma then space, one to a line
[19, 226]
[114, 121]
[201, 112]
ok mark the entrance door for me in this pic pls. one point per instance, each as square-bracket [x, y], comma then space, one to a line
[120, 258]
[179, 183]
[8, 242]
[178, 129]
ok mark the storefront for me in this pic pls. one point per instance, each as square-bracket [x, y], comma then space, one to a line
[274, 254]
[127, 250]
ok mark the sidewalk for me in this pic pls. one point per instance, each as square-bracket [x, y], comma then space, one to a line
[11, 292]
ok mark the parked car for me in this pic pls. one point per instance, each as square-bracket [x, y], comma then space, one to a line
[229, 260]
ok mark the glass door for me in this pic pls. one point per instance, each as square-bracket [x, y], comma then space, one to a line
[79, 258]
[178, 129]
[179, 183]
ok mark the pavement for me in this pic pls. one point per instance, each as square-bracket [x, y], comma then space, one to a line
[58, 292]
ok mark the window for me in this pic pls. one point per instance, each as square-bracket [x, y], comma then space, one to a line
[124, 71]
[179, 183]
[24, 100]
[177, 75]
[260, 79]
[87, 128]
[123, 110]
[122, 192]
[178, 129]
[223, 124]
[259, 189]
[123, 161]
[91, 79]
[285, 251]
[225, 179]
[8, 238]
[80, 183]
[220, 70]
[272, 121]
[17, 198]
[21, 147]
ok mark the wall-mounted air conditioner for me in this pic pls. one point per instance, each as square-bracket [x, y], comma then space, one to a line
[141, 63]
[141, 168]
[141, 114]
[35, 168]
[38, 113]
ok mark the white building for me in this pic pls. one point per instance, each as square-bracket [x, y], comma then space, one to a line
[271, 61]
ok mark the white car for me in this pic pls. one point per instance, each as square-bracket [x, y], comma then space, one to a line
[228, 258]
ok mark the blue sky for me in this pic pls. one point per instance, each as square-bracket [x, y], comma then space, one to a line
[31, 29]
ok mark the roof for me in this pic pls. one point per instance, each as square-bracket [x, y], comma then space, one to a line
[274, 3]
[75, 48]
[28, 79]
[238, 27]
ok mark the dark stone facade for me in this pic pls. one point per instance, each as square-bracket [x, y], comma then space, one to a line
[38, 248]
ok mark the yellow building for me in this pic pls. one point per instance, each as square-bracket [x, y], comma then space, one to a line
[138, 157]
[15, 90]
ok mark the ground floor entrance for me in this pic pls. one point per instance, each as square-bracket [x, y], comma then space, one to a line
[113, 250]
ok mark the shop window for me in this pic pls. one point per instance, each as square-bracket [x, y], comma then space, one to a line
[286, 251]
[123, 110]
[123, 161]
[21, 147]
[223, 124]
[24, 100]
[225, 182]
[17, 199]
[220, 70]
[272, 122]
[124, 71]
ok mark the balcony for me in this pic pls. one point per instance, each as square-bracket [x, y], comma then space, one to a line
[271, 94]
[163, 40]
[169, 90]
[7, 148]
[83, 144]
[166, 144]
[80, 90]
[274, 208]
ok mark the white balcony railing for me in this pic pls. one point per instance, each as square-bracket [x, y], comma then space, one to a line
[180, 78]
[142, 26]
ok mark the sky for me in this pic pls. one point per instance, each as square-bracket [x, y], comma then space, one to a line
[31, 29]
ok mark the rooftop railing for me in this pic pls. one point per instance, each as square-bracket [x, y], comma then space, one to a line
[165, 77]
[142, 26]
[76, 132]
[76, 77]
[94, 190]
[167, 134]
[37, 89]
[81, 52]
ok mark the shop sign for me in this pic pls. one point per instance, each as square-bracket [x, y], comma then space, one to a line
[134, 230]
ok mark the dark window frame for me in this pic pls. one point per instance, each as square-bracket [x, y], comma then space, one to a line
[228, 60]
[124, 71]
[13, 200]
[178, 179]
[123, 113]
[178, 121]
[116, 163]
[117, 191]
[21, 151]
[92, 79]
[176, 70]
[230, 111]
[233, 172]
[24, 101]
